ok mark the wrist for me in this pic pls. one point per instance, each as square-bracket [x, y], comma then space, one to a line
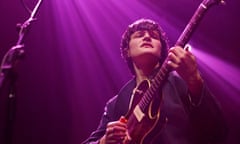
[194, 77]
[195, 84]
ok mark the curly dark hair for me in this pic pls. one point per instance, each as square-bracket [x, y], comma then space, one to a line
[142, 24]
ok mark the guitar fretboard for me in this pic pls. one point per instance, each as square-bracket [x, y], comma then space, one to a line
[158, 81]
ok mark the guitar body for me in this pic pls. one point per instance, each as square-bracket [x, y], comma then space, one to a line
[140, 123]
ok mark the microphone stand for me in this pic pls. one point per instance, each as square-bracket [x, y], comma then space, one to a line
[8, 76]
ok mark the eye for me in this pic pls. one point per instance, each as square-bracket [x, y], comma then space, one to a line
[138, 34]
[155, 35]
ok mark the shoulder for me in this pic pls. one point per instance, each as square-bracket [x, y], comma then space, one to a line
[125, 90]
[118, 105]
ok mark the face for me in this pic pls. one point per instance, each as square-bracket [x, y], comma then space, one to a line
[144, 45]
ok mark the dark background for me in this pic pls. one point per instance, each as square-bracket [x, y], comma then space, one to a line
[72, 63]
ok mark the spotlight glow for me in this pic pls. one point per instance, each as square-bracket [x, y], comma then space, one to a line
[224, 75]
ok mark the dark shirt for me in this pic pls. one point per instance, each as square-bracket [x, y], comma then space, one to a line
[189, 122]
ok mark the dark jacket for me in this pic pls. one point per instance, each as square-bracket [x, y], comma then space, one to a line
[198, 122]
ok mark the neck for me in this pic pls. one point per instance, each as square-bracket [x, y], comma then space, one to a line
[143, 72]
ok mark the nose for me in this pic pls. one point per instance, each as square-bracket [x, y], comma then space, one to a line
[147, 37]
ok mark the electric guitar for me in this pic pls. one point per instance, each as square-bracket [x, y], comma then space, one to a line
[141, 119]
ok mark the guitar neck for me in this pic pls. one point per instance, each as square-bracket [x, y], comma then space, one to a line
[191, 26]
[158, 81]
[195, 20]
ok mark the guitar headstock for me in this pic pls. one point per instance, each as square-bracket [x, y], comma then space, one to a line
[209, 3]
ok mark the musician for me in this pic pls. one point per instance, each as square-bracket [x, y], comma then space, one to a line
[189, 114]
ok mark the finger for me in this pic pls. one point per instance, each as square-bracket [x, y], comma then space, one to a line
[115, 141]
[178, 51]
[108, 130]
[117, 123]
[112, 141]
[173, 58]
[115, 136]
[116, 126]
[116, 131]
[172, 65]
[182, 54]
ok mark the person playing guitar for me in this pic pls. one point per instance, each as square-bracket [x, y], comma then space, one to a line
[167, 101]
[183, 111]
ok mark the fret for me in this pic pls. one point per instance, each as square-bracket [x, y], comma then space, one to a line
[150, 92]
[162, 72]
[154, 86]
[143, 104]
[159, 79]
[149, 97]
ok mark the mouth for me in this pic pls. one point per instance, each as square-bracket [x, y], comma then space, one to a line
[147, 45]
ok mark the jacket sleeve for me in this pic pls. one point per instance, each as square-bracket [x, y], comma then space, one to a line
[106, 117]
[206, 115]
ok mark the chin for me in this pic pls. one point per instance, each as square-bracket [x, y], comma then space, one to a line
[151, 54]
[149, 57]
